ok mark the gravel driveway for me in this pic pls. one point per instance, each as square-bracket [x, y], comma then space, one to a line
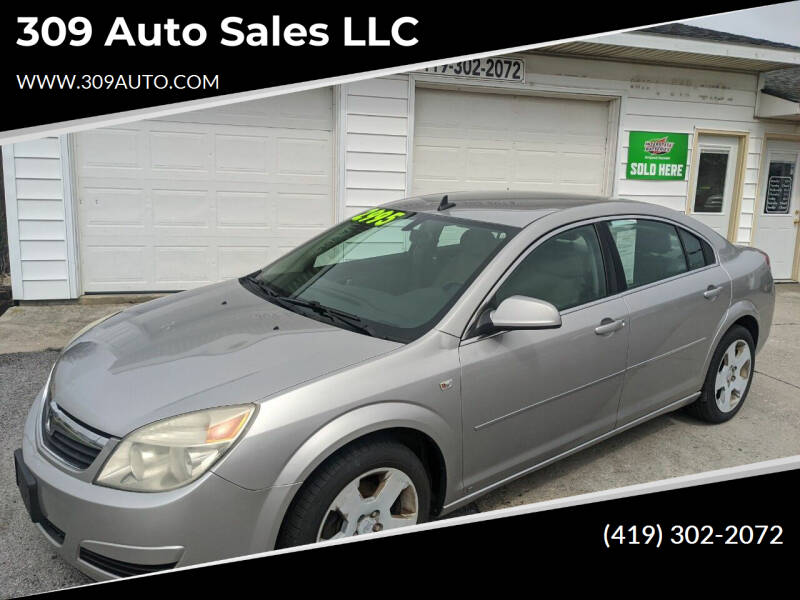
[27, 561]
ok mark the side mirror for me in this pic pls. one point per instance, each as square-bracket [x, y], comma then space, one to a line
[520, 312]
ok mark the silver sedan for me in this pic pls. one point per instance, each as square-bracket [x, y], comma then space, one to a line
[386, 372]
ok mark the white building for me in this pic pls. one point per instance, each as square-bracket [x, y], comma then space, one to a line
[185, 200]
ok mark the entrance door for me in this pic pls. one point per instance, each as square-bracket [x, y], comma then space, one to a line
[779, 207]
[714, 180]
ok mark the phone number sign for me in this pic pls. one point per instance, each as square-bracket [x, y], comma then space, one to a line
[498, 69]
[657, 155]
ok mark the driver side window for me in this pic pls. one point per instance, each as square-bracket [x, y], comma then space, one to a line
[566, 270]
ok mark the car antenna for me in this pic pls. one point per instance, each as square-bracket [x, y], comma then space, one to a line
[445, 203]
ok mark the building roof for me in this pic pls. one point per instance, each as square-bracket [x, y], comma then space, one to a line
[783, 83]
[701, 33]
[684, 45]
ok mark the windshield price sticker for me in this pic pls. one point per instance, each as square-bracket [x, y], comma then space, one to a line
[380, 216]
[506, 69]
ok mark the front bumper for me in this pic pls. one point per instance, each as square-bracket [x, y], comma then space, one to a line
[207, 520]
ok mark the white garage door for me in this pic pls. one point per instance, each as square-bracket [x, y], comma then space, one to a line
[183, 201]
[485, 141]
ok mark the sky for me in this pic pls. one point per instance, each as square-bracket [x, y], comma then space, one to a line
[778, 23]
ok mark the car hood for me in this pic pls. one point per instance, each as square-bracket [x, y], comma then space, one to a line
[213, 346]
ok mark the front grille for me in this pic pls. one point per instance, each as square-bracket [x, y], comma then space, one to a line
[72, 451]
[69, 439]
[53, 531]
[119, 567]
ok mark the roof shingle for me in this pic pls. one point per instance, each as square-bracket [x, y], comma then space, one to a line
[701, 33]
[784, 83]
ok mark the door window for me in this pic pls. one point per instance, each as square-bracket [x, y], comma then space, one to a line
[711, 174]
[779, 187]
[649, 250]
[566, 270]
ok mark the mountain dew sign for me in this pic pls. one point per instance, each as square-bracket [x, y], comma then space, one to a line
[657, 155]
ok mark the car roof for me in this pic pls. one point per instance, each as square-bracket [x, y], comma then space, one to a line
[502, 207]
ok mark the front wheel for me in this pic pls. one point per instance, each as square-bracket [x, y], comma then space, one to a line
[728, 379]
[369, 486]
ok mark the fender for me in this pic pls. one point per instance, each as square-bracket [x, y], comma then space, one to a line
[739, 309]
[336, 434]
[370, 419]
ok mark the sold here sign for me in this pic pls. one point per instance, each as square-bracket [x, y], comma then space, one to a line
[653, 155]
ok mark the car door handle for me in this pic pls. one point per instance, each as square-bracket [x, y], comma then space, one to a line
[712, 292]
[609, 326]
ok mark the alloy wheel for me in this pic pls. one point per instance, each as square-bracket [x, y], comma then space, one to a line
[733, 375]
[377, 500]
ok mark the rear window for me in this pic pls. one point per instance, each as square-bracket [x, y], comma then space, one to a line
[698, 252]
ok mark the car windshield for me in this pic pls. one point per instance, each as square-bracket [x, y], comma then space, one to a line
[387, 273]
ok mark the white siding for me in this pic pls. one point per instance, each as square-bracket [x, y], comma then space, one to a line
[37, 219]
[658, 98]
[663, 98]
[376, 136]
[375, 130]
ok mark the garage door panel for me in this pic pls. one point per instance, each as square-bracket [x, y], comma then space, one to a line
[491, 164]
[437, 110]
[483, 184]
[588, 119]
[235, 260]
[243, 153]
[111, 148]
[581, 168]
[111, 207]
[305, 110]
[535, 166]
[202, 198]
[468, 140]
[303, 159]
[176, 266]
[179, 150]
[180, 208]
[434, 160]
[245, 210]
[122, 266]
[577, 188]
[305, 210]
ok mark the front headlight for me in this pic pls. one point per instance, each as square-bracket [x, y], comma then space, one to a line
[170, 453]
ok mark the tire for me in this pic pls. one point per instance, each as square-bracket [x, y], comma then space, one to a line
[720, 401]
[366, 467]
